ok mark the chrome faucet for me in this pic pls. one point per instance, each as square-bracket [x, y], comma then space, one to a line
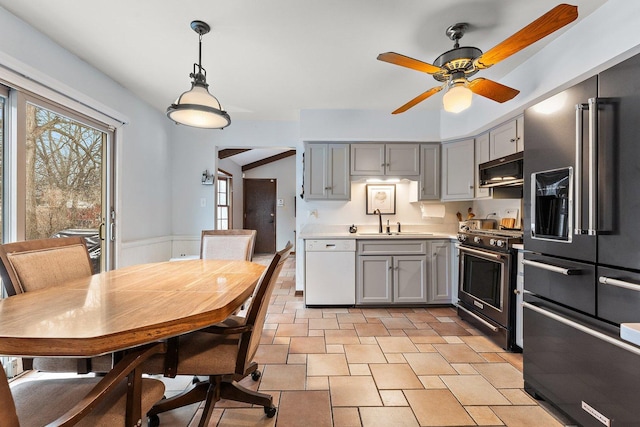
[377, 212]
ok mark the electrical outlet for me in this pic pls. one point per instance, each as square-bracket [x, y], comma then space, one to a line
[511, 213]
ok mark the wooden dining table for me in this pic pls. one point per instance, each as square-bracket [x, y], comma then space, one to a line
[124, 308]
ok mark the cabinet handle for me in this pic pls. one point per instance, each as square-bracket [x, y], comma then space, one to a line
[619, 283]
[328, 188]
[552, 268]
[513, 139]
[479, 319]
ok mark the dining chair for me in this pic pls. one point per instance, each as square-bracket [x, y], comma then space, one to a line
[30, 265]
[223, 352]
[227, 244]
[84, 401]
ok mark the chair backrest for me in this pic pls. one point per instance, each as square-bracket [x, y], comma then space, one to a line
[8, 413]
[257, 312]
[227, 244]
[36, 264]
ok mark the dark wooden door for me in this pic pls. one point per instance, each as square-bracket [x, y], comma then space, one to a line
[260, 212]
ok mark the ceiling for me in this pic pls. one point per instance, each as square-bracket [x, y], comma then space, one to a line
[270, 59]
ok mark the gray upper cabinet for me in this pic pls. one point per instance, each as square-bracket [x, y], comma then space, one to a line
[458, 172]
[429, 184]
[385, 159]
[507, 139]
[326, 172]
[481, 156]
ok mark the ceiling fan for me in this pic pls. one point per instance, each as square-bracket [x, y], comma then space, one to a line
[454, 67]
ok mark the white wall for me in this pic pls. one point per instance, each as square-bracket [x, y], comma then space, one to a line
[284, 172]
[144, 153]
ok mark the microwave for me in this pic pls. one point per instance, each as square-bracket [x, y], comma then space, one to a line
[506, 171]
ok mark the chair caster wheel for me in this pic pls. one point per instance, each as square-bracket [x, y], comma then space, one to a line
[153, 421]
[270, 411]
[255, 375]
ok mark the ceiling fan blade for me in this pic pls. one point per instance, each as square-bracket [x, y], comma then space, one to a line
[492, 90]
[418, 99]
[405, 61]
[551, 21]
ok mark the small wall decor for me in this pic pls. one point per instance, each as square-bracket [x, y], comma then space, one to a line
[383, 197]
[207, 179]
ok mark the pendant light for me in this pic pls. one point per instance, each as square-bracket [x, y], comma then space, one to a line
[197, 107]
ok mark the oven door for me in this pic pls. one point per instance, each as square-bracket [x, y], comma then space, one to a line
[484, 282]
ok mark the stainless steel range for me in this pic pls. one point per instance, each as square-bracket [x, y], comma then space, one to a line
[487, 278]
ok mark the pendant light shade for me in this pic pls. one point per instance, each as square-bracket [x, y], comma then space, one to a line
[197, 107]
[457, 98]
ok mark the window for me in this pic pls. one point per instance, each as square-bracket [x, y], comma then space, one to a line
[223, 200]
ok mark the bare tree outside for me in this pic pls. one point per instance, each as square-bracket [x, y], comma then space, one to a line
[63, 174]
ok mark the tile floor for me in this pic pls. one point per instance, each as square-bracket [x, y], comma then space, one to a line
[339, 367]
[375, 367]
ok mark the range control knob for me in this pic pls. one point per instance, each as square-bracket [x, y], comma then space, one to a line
[477, 239]
[462, 237]
[492, 242]
[500, 243]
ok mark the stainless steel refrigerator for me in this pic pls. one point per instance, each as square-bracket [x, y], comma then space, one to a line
[582, 237]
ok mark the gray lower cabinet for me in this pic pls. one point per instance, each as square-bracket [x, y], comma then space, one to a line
[391, 272]
[441, 270]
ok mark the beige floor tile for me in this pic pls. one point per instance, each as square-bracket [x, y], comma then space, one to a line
[245, 417]
[474, 390]
[280, 318]
[271, 354]
[394, 377]
[359, 369]
[482, 344]
[517, 396]
[351, 318]
[525, 416]
[334, 348]
[422, 317]
[395, 358]
[396, 345]
[493, 357]
[458, 353]
[431, 382]
[341, 336]
[368, 340]
[323, 324]
[346, 417]
[375, 312]
[307, 345]
[309, 313]
[364, 353]
[283, 377]
[453, 340]
[317, 383]
[483, 416]
[514, 358]
[429, 364]
[282, 340]
[501, 375]
[388, 416]
[327, 364]
[464, 368]
[297, 359]
[292, 330]
[437, 408]
[397, 323]
[449, 328]
[354, 391]
[393, 398]
[305, 408]
[371, 329]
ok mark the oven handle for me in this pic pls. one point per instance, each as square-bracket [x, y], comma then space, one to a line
[479, 319]
[586, 330]
[552, 268]
[479, 252]
[619, 283]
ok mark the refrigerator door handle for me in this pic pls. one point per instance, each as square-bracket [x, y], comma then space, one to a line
[619, 283]
[580, 327]
[577, 196]
[592, 228]
[552, 268]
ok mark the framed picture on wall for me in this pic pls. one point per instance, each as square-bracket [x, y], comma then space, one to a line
[383, 197]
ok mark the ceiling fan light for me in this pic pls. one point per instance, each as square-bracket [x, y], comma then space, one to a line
[457, 98]
[198, 108]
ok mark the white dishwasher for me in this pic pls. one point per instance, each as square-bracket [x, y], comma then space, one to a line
[330, 272]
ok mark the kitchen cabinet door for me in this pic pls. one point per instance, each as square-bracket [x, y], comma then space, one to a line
[481, 156]
[458, 166]
[402, 159]
[409, 279]
[367, 159]
[429, 185]
[375, 279]
[506, 139]
[326, 172]
[440, 269]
